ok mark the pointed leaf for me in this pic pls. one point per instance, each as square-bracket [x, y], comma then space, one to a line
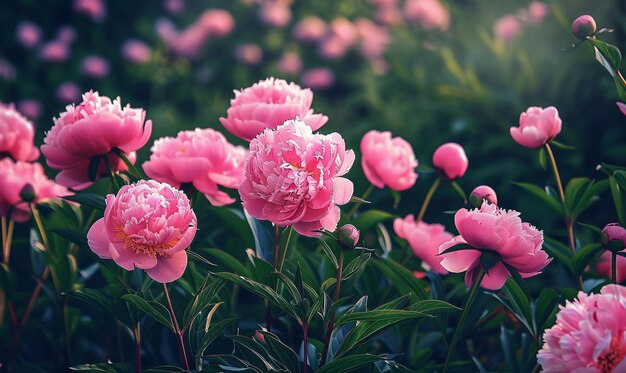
[551, 202]
[349, 363]
[156, 310]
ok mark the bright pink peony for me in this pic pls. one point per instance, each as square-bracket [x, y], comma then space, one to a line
[496, 231]
[424, 239]
[148, 225]
[17, 135]
[588, 335]
[14, 176]
[429, 14]
[92, 129]
[388, 161]
[293, 177]
[603, 266]
[537, 126]
[450, 161]
[506, 28]
[202, 157]
[267, 104]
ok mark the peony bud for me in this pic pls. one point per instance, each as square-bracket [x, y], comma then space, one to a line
[450, 161]
[614, 237]
[481, 193]
[583, 26]
[348, 236]
[28, 193]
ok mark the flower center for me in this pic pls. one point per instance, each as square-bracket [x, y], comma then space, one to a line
[610, 359]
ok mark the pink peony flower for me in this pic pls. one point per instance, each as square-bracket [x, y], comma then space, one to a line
[429, 14]
[54, 51]
[333, 48]
[537, 126]
[17, 135]
[290, 63]
[7, 71]
[318, 78]
[483, 193]
[14, 176]
[93, 129]
[267, 104]
[217, 22]
[310, 29]
[588, 335]
[506, 28]
[603, 266]
[136, 51]
[450, 161]
[248, 53]
[95, 9]
[275, 14]
[425, 240]
[614, 232]
[293, 177]
[622, 107]
[95, 67]
[202, 157]
[373, 39]
[388, 161]
[499, 232]
[31, 108]
[67, 92]
[28, 34]
[147, 225]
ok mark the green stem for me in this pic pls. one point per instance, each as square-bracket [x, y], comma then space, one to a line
[181, 342]
[305, 355]
[116, 184]
[358, 204]
[283, 253]
[427, 199]
[614, 267]
[466, 308]
[7, 236]
[137, 333]
[331, 321]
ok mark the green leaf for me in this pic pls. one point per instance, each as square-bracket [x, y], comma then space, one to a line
[93, 200]
[92, 170]
[561, 252]
[199, 258]
[201, 301]
[430, 306]
[236, 220]
[281, 352]
[542, 158]
[329, 252]
[551, 202]
[561, 145]
[263, 237]
[593, 228]
[131, 167]
[356, 199]
[75, 237]
[618, 199]
[225, 259]
[620, 177]
[370, 218]
[401, 278]
[349, 363]
[156, 310]
[520, 303]
[103, 368]
[258, 352]
[457, 188]
[356, 265]
[607, 54]
[213, 332]
[546, 304]
[380, 315]
[585, 255]
[574, 189]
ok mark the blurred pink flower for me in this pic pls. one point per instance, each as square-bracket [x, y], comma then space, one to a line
[66, 34]
[603, 266]
[507, 28]
[333, 48]
[389, 15]
[202, 157]
[7, 71]
[67, 92]
[344, 30]
[93, 129]
[275, 14]
[14, 176]
[293, 177]
[147, 225]
[318, 78]
[95, 67]
[17, 135]
[424, 239]
[217, 22]
[136, 51]
[622, 107]
[537, 126]
[429, 14]
[95, 9]
[289, 63]
[248, 53]
[174, 6]
[28, 34]
[267, 104]
[535, 13]
[483, 193]
[373, 39]
[388, 161]
[30, 108]
[495, 231]
[310, 29]
[54, 51]
[450, 161]
[588, 335]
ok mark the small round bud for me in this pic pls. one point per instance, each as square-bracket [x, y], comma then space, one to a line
[614, 237]
[583, 26]
[450, 161]
[348, 236]
[28, 193]
[483, 192]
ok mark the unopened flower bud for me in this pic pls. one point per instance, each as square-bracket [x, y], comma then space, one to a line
[583, 26]
[480, 193]
[348, 236]
[614, 237]
[28, 193]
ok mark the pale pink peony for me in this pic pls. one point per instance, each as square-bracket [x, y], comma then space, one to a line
[136, 51]
[310, 29]
[202, 157]
[450, 161]
[95, 67]
[293, 177]
[17, 135]
[506, 28]
[267, 104]
[603, 266]
[537, 126]
[147, 225]
[388, 161]
[424, 239]
[429, 14]
[248, 53]
[92, 129]
[67, 92]
[28, 34]
[217, 22]
[588, 336]
[290, 63]
[95, 9]
[498, 232]
[14, 176]
[318, 78]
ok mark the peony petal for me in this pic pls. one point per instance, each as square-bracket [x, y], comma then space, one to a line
[343, 190]
[169, 269]
[98, 239]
